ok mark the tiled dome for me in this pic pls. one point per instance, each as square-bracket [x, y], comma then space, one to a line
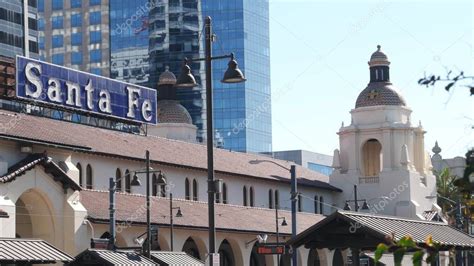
[380, 93]
[379, 58]
[173, 112]
[167, 78]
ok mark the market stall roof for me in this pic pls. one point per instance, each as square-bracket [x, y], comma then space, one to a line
[111, 257]
[365, 231]
[34, 251]
[171, 258]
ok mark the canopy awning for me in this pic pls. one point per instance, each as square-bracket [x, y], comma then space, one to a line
[365, 231]
[110, 257]
[34, 251]
[170, 258]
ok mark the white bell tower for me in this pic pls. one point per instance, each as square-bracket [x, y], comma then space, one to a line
[383, 153]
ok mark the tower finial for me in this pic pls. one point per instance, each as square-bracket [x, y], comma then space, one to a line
[378, 47]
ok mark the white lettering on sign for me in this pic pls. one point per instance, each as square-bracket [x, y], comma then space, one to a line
[133, 94]
[104, 102]
[54, 90]
[34, 79]
[89, 91]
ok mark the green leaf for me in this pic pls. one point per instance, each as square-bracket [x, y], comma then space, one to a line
[407, 242]
[381, 248]
[417, 258]
[398, 256]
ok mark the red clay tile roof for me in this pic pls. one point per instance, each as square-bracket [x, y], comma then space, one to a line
[131, 208]
[29, 128]
[30, 162]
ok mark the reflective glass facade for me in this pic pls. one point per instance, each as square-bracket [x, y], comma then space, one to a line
[242, 112]
[129, 41]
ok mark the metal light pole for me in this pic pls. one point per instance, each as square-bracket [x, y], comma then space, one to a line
[179, 214]
[186, 79]
[148, 220]
[294, 199]
[278, 229]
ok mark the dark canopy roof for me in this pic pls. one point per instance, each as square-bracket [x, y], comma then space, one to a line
[36, 251]
[110, 257]
[365, 231]
[170, 258]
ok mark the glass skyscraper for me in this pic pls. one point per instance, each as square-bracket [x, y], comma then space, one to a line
[242, 112]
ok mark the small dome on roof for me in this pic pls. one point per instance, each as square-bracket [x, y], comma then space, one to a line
[380, 93]
[378, 58]
[167, 78]
[170, 111]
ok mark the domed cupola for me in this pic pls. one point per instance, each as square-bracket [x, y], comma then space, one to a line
[379, 91]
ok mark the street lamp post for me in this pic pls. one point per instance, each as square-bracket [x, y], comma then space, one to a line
[277, 229]
[294, 200]
[187, 80]
[178, 214]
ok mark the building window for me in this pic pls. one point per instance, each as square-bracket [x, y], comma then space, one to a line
[76, 20]
[245, 195]
[187, 189]
[321, 205]
[89, 177]
[95, 56]
[300, 203]
[33, 46]
[195, 190]
[94, 18]
[154, 185]
[96, 71]
[95, 37]
[128, 182]
[40, 24]
[76, 3]
[270, 199]
[57, 4]
[162, 186]
[40, 5]
[224, 193]
[94, 2]
[76, 38]
[316, 202]
[372, 157]
[32, 24]
[252, 197]
[76, 58]
[118, 179]
[79, 167]
[57, 41]
[277, 199]
[57, 59]
[57, 22]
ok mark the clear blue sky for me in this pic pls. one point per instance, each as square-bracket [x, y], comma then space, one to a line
[319, 53]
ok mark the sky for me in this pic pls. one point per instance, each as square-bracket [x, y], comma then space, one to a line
[319, 54]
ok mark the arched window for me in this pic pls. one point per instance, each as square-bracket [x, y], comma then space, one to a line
[224, 193]
[321, 205]
[154, 186]
[270, 199]
[252, 197]
[316, 202]
[226, 254]
[277, 199]
[187, 189]
[313, 258]
[89, 177]
[300, 203]
[162, 185]
[118, 179]
[128, 182]
[195, 190]
[79, 167]
[245, 195]
[372, 157]
[191, 248]
[218, 196]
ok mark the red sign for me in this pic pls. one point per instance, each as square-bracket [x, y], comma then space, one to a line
[266, 249]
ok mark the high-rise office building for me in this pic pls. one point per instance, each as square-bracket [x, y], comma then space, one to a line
[75, 34]
[18, 28]
[242, 112]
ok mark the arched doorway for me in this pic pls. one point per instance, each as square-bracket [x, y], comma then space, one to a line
[191, 248]
[35, 217]
[313, 258]
[337, 259]
[226, 254]
[255, 258]
[372, 157]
